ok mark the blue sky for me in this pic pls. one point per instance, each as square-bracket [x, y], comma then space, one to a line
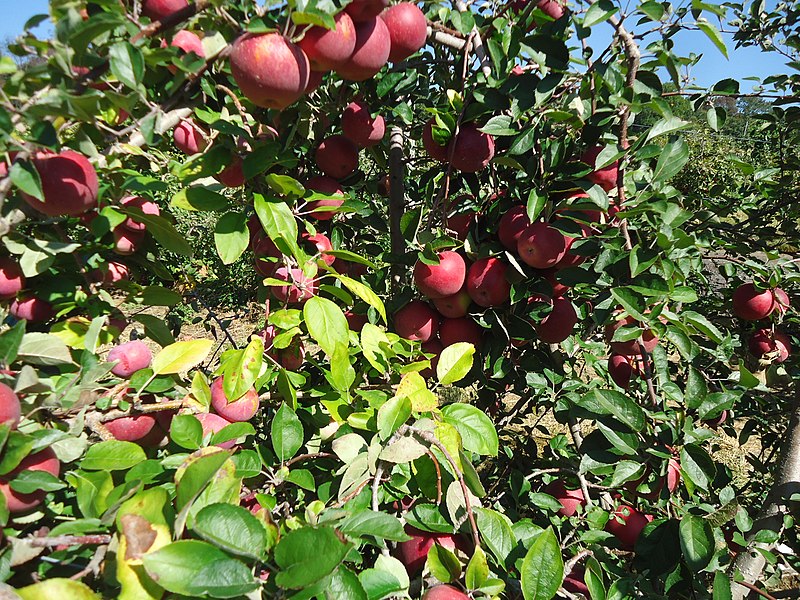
[712, 67]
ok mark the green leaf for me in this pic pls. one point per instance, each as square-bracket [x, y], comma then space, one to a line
[697, 466]
[287, 433]
[326, 324]
[495, 529]
[196, 569]
[307, 555]
[26, 178]
[196, 473]
[43, 349]
[722, 587]
[163, 231]
[455, 362]
[112, 455]
[597, 13]
[672, 159]
[443, 564]
[716, 116]
[231, 237]
[713, 34]
[477, 570]
[414, 387]
[478, 433]
[371, 523]
[365, 293]
[280, 225]
[232, 528]
[181, 356]
[665, 126]
[615, 404]
[28, 482]
[499, 125]
[186, 431]
[393, 414]
[285, 185]
[126, 63]
[697, 541]
[543, 567]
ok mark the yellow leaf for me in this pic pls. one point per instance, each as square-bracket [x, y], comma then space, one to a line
[181, 356]
[413, 386]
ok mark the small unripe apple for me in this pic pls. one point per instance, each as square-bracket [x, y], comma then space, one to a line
[148, 207]
[626, 524]
[212, 424]
[337, 157]
[371, 50]
[775, 345]
[45, 460]
[487, 284]
[360, 127]
[408, 30]
[606, 177]
[131, 356]
[511, 226]
[131, 429]
[443, 279]
[69, 184]
[189, 138]
[158, 10]
[463, 329]
[414, 552]
[474, 149]
[570, 499]
[330, 187]
[243, 408]
[11, 278]
[328, 49]
[416, 321]
[32, 309]
[10, 410]
[541, 246]
[454, 306]
[631, 347]
[752, 304]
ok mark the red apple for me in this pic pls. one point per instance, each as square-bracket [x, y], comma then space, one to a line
[458, 220]
[264, 249]
[270, 71]
[329, 187]
[337, 156]
[408, 30]
[232, 176]
[131, 429]
[626, 524]
[45, 460]
[454, 306]
[158, 10]
[131, 357]
[414, 552]
[321, 245]
[355, 321]
[487, 284]
[314, 81]
[32, 309]
[752, 304]
[69, 184]
[559, 323]
[187, 42]
[328, 49]
[464, 329]
[212, 424]
[606, 177]
[541, 246]
[360, 127]
[444, 592]
[434, 150]
[114, 272]
[473, 149]
[364, 10]
[416, 321]
[716, 421]
[782, 302]
[10, 410]
[11, 278]
[574, 581]
[371, 51]
[622, 369]
[189, 138]
[127, 242]
[570, 499]
[301, 289]
[631, 347]
[243, 408]
[148, 207]
[432, 346]
[559, 289]
[511, 226]
[774, 345]
[443, 279]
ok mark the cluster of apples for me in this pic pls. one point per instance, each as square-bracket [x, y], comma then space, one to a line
[754, 304]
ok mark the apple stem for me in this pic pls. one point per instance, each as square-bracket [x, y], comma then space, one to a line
[66, 540]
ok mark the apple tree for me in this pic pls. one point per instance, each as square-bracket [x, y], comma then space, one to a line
[507, 350]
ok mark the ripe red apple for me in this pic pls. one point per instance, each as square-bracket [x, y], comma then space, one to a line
[434, 150]
[302, 288]
[328, 49]
[337, 156]
[606, 177]
[570, 499]
[444, 592]
[364, 10]
[473, 149]
[10, 409]
[454, 306]
[631, 347]
[270, 71]
[782, 302]
[626, 524]
[487, 284]
[126, 242]
[416, 321]
[243, 408]
[232, 176]
[212, 424]
[559, 323]
[45, 460]
[463, 329]
[314, 81]
[574, 581]
[408, 30]
[622, 369]
[752, 304]
[371, 52]
[511, 226]
[187, 42]
[291, 358]
[541, 246]
[414, 552]
[32, 309]
[355, 321]
[131, 429]
[189, 138]
[559, 289]
[330, 187]
[11, 278]
[113, 271]
[263, 250]
[457, 219]
[148, 207]
[768, 343]
[69, 184]
[132, 356]
[158, 10]
[432, 346]
[360, 127]
[321, 245]
[443, 279]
